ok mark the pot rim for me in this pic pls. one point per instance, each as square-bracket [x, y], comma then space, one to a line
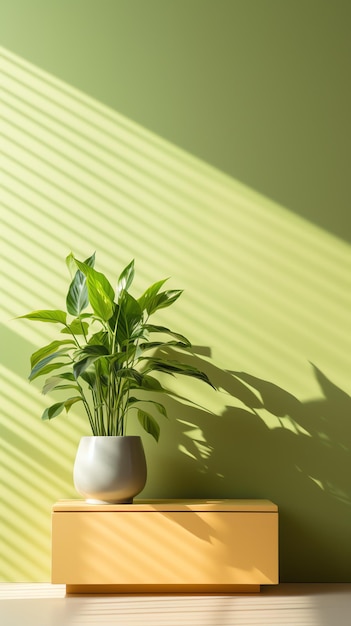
[111, 437]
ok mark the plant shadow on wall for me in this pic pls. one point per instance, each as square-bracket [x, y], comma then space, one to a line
[272, 445]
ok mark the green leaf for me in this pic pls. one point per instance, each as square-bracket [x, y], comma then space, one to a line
[89, 376]
[93, 354]
[76, 327]
[53, 410]
[101, 294]
[71, 264]
[129, 373]
[151, 328]
[66, 376]
[118, 358]
[77, 297]
[96, 350]
[55, 382]
[152, 345]
[160, 407]
[100, 338]
[46, 316]
[58, 407]
[49, 349]
[41, 367]
[82, 365]
[149, 424]
[163, 300]
[90, 261]
[147, 299]
[90, 355]
[69, 403]
[126, 278]
[128, 319]
[174, 367]
[46, 370]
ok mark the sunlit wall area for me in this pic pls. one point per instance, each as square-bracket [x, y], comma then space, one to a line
[266, 303]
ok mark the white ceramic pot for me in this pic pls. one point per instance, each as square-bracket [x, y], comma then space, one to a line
[109, 469]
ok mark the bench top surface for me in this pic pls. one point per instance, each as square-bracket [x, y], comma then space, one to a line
[184, 506]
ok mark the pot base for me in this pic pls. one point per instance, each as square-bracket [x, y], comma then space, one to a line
[122, 501]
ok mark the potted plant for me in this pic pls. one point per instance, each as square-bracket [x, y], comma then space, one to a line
[105, 357]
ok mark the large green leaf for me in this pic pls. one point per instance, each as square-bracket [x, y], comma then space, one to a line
[128, 320]
[49, 349]
[174, 367]
[147, 299]
[149, 424]
[101, 294]
[77, 297]
[126, 278]
[163, 300]
[46, 316]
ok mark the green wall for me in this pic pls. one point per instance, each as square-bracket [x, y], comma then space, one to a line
[209, 141]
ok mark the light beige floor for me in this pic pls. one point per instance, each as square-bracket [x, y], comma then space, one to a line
[284, 605]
